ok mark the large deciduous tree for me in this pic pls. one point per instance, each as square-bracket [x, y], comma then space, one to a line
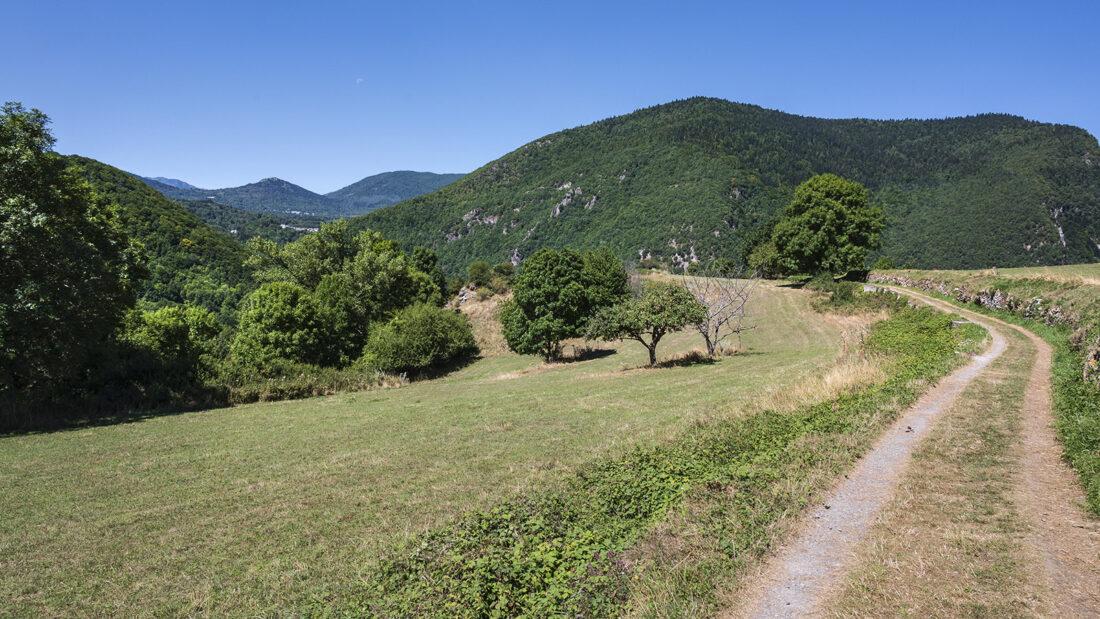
[661, 309]
[828, 227]
[555, 294]
[67, 271]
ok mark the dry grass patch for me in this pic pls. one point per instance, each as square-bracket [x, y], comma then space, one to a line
[485, 321]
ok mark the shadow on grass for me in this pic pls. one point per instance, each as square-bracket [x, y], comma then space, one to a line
[586, 353]
[127, 405]
[688, 359]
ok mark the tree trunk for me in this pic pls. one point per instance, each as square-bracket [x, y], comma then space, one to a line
[652, 354]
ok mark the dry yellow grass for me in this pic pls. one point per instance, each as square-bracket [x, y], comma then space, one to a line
[484, 319]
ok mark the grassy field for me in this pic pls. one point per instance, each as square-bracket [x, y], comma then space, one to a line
[1088, 273]
[252, 509]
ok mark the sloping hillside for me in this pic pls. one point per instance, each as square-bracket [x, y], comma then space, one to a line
[188, 260]
[388, 188]
[700, 177]
[272, 195]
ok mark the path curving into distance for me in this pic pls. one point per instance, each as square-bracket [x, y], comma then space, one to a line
[799, 578]
[1061, 535]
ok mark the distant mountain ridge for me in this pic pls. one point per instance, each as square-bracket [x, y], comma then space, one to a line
[390, 188]
[705, 177]
[275, 195]
[173, 182]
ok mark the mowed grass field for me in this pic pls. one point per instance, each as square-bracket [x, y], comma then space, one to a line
[255, 509]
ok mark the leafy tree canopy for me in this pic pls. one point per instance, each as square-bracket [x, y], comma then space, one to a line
[828, 227]
[661, 309]
[554, 295]
[355, 278]
[69, 272]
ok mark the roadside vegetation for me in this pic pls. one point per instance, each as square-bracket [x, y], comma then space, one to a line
[1065, 312]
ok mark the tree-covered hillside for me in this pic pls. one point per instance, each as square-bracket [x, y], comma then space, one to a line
[243, 225]
[388, 188]
[271, 195]
[188, 260]
[704, 177]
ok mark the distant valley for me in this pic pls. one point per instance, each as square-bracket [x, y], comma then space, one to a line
[274, 195]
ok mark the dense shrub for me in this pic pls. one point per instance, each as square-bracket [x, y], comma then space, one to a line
[479, 272]
[182, 338]
[280, 321]
[287, 380]
[419, 337]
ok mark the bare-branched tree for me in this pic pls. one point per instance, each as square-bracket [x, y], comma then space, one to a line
[724, 292]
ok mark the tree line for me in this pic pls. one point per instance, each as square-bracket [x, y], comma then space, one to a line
[78, 336]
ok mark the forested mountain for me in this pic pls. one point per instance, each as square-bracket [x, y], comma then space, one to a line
[274, 195]
[188, 260]
[705, 177]
[271, 195]
[388, 188]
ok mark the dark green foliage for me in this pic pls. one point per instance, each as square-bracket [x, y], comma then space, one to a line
[355, 279]
[420, 337]
[560, 552]
[182, 338]
[188, 261]
[166, 358]
[711, 174]
[479, 272]
[243, 225]
[661, 309]
[67, 271]
[828, 227]
[504, 270]
[605, 278]
[280, 321]
[426, 261]
[554, 295]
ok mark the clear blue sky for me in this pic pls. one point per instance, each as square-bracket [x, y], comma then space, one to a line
[322, 94]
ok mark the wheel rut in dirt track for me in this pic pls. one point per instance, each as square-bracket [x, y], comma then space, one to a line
[1062, 537]
[797, 579]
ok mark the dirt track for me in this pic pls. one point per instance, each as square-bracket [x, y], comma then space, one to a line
[800, 576]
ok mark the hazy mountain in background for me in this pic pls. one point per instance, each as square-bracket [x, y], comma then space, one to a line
[274, 195]
[389, 188]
